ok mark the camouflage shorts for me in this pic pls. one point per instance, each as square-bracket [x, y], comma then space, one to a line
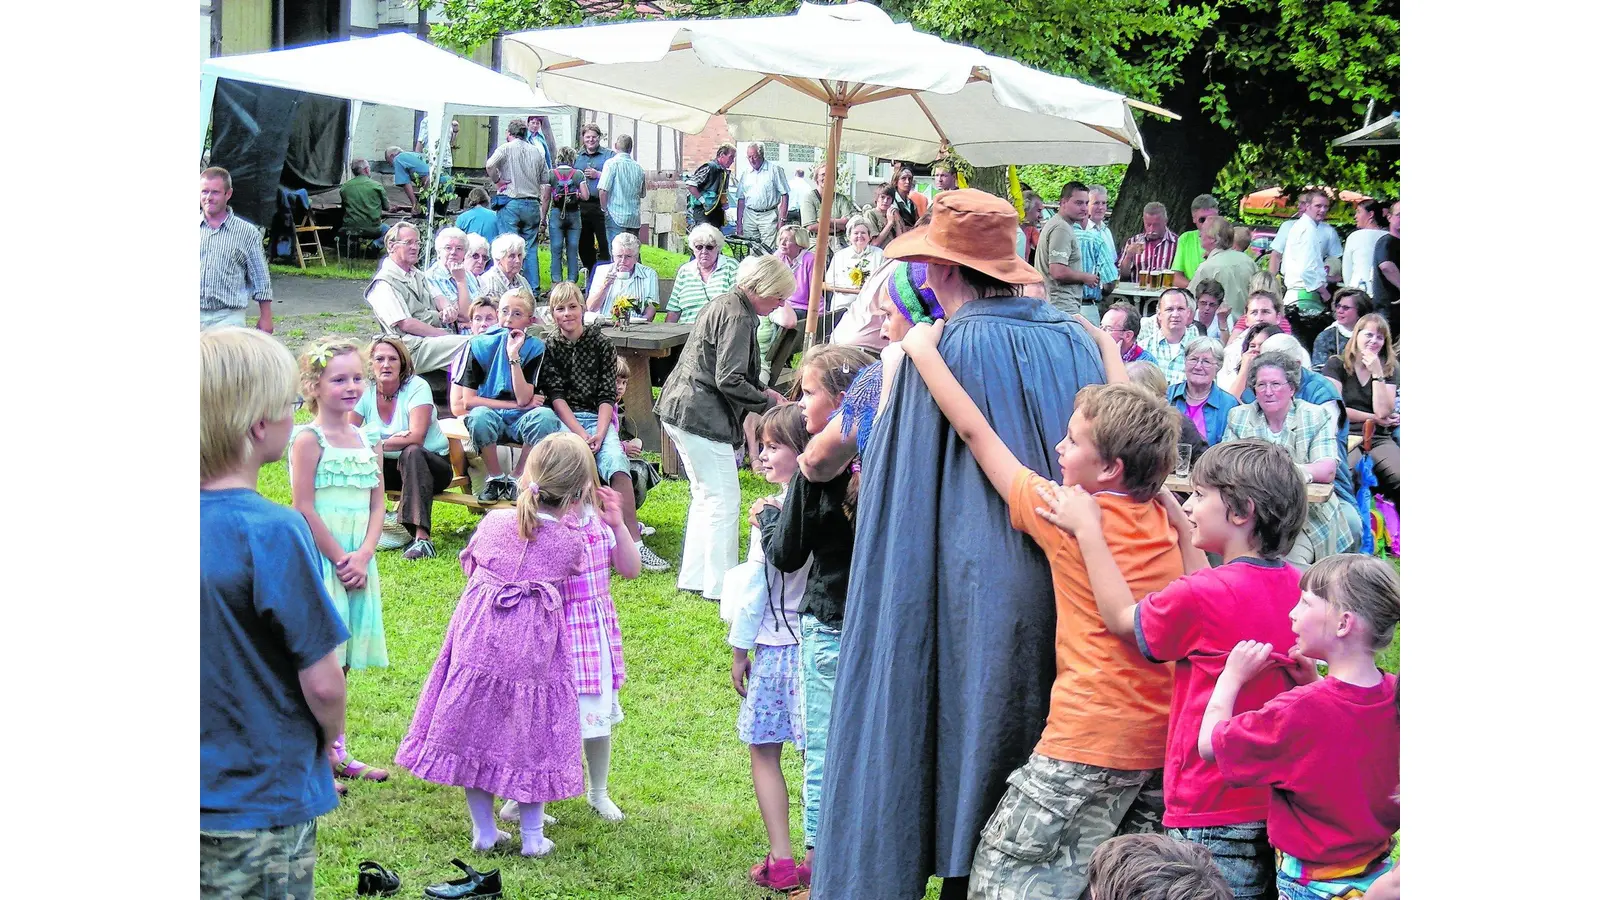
[265, 864]
[1038, 842]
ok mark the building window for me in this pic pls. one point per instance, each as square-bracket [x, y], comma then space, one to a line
[802, 154]
[769, 150]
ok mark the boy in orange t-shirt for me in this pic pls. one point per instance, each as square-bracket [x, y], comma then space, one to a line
[1096, 771]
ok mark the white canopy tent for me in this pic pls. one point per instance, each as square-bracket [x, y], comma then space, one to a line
[392, 69]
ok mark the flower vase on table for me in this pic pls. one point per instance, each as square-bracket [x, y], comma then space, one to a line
[620, 310]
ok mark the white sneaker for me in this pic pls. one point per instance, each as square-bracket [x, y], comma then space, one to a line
[651, 562]
[645, 530]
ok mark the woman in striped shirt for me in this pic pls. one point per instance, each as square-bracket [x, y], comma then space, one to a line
[706, 275]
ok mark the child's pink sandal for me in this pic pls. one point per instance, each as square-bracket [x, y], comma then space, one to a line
[347, 766]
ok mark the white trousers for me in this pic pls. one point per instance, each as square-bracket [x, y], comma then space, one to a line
[711, 532]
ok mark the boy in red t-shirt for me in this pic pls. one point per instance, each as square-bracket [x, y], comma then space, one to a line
[1330, 749]
[1249, 503]
[1096, 771]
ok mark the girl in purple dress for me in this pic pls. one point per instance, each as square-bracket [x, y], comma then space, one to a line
[499, 712]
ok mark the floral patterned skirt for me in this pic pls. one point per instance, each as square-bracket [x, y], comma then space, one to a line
[773, 711]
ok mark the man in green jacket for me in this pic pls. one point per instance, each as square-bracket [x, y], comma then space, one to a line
[365, 201]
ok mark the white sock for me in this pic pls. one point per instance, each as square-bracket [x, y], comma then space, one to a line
[597, 753]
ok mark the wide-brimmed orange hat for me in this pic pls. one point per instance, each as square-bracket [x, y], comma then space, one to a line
[969, 228]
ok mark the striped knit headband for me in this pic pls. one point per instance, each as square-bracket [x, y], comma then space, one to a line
[908, 289]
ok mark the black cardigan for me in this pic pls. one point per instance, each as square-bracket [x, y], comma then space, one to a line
[812, 525]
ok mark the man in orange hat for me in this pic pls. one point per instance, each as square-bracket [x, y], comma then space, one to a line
[945, 680]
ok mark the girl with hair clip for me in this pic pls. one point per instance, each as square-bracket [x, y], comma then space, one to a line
[336, 481]
[773, 710]
[498, 714]
[815, 523]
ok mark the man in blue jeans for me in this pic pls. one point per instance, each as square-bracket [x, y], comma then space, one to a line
[522, 165]
[498, 376]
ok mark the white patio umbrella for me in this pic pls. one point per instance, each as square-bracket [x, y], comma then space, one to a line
[838, 75]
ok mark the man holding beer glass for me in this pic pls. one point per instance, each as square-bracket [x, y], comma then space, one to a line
[1150, 250]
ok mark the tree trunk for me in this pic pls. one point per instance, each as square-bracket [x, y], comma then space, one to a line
[992, 179]
[1185, 157]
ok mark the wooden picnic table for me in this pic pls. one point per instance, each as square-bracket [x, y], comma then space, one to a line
[1316, 492]
[636, 346]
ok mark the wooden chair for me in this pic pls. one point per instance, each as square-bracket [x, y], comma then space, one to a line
[308, 238]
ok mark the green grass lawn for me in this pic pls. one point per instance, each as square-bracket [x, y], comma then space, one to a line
[678, 772]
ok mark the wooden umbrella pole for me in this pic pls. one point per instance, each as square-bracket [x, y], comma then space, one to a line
[819, 263]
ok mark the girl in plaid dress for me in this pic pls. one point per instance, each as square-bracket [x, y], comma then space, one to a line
[596, 644]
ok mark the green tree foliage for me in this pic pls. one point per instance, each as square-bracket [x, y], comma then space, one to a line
[1263, 86]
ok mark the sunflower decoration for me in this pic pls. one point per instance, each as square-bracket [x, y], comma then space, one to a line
[860, 272]
[620, 308]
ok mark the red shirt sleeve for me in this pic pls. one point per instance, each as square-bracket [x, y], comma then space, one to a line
[1262, 747]
[1167, 624]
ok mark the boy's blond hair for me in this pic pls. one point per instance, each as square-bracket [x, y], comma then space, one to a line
[1127, 423]
[1361, 585]
[566, 294]
[560, 473]
[518, 295]
[246, 376]
[314, 361]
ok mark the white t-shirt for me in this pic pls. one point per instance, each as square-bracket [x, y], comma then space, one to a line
[839, 271]
[1358, 267]
[780, 620]
[414, 393]
[1306, 247]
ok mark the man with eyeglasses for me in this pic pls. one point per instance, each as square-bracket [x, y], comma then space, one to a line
[399, 296]
[1190, 254]
[1121, 321]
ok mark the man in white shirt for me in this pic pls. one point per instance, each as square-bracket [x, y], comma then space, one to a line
[1301, 251]
[763, 198]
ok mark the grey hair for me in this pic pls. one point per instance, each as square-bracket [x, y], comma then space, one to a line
[1154, 207]
[1204, 201]
[1276, 359]
[797, 233]
[850, 226]
[392, 239]
[358, 166]
[446, 235]
[704, 232]
[766, 276]
[624, 241]
[1099, 190]
[1204, 344]
[477, 241]
[507, 244]
[392, 152]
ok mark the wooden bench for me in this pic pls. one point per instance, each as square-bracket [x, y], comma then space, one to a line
[455, 431]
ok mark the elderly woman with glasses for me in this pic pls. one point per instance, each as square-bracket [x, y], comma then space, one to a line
[451, 285]
[1198, 396]
[707, 275]
[709, 407]
[1311, 436]
[508, 250]
[626, 277]
[477, 254]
